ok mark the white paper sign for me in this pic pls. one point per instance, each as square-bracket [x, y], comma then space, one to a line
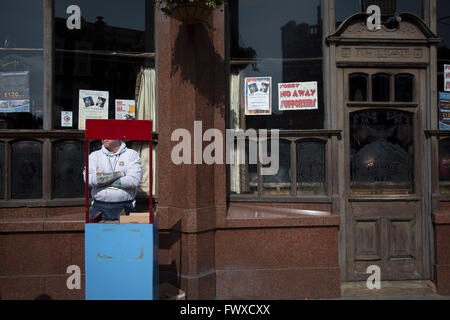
[298, 96]
[446, 77]
[258, 96]
[66, 119]
[125, 109]
[92, 105]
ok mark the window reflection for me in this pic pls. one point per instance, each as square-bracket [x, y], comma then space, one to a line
[68, 163]
[381, 152]
[21, 24]
[310, 167]
[106, 26]
[244, 177]
[443, 48]
[26, 169]
[358, 87]
[279, 183]
[404, 87]
[2, 169]
[381, 87]
[255, 28]
[444, 166]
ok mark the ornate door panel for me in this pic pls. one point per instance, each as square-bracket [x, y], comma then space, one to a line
[383, 198]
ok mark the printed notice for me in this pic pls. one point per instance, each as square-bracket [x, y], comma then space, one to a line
[298, 96]
[92, 105]
[125, 109]
[66, 119]
[258, 96]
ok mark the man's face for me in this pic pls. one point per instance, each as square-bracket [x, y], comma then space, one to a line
[111, 144]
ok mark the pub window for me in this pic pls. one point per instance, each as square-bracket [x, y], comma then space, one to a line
[99, 63]
[358, 87]
[389, 8]
[277, 42]
[311, 167]
[68, 164]
[2, 169]
[26, 169]
[381, 87]
[21, 61]
[381, 152]
[280, 183]
[244, 176]
[443, 48]
[444, 166]
[109, 60]
[404, 87]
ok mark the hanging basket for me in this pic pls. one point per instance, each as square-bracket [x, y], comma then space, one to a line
[190, 13]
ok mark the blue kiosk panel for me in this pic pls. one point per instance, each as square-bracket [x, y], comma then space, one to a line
[121, 261]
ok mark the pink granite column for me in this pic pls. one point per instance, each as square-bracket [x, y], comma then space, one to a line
[191, 76]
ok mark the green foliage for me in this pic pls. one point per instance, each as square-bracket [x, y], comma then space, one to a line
[167, 5]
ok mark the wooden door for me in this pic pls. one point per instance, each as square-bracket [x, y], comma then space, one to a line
[383, 212]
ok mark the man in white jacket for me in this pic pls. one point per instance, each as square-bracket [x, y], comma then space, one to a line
[115, 173]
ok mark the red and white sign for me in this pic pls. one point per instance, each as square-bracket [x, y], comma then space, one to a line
[446, 77]
[298, 96]
[66, 118]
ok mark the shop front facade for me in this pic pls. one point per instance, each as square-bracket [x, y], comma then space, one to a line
[358, 111]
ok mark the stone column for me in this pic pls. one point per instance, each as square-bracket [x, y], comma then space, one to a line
[191, 87]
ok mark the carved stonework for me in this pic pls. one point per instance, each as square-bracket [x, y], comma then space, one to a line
[381, 53]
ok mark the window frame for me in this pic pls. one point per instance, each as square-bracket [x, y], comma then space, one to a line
[48, 135]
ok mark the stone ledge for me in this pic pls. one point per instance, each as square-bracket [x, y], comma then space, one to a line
[40, 226]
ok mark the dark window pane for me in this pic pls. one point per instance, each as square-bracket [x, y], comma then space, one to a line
[381, 87]
[75, 71]
[255, 28]
[358, 87]
[68, 164]
[26, 168]
[404, 87]
[106, 25]
[282, 72]
[21, 24]
[382, 152]
[21, 89]
[279, 183]
[443, 48]
[2, 170]
[311, 167]
[444, 166]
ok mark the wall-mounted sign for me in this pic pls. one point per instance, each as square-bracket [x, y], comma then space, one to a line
[66, 119]
[444, 111]
[258, 96]
[15, 91]
[125, 109]
[446, 77]
[297, 96]
[92, 105]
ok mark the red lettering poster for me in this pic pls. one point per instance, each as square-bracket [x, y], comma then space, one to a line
[298, 96]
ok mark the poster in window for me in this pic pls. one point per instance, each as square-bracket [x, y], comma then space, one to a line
[446, 77]
[444, 111]
[92, 105]
[298, 96]
[15, 91]
[125, 109]
[258, 96]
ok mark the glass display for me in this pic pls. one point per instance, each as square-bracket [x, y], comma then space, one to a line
[26, 169]
[358, 87]
[311, 167]
[279, 183]
[404, 87]
[381, 152]
[68, 164]
[444, 166]
[381, 87]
